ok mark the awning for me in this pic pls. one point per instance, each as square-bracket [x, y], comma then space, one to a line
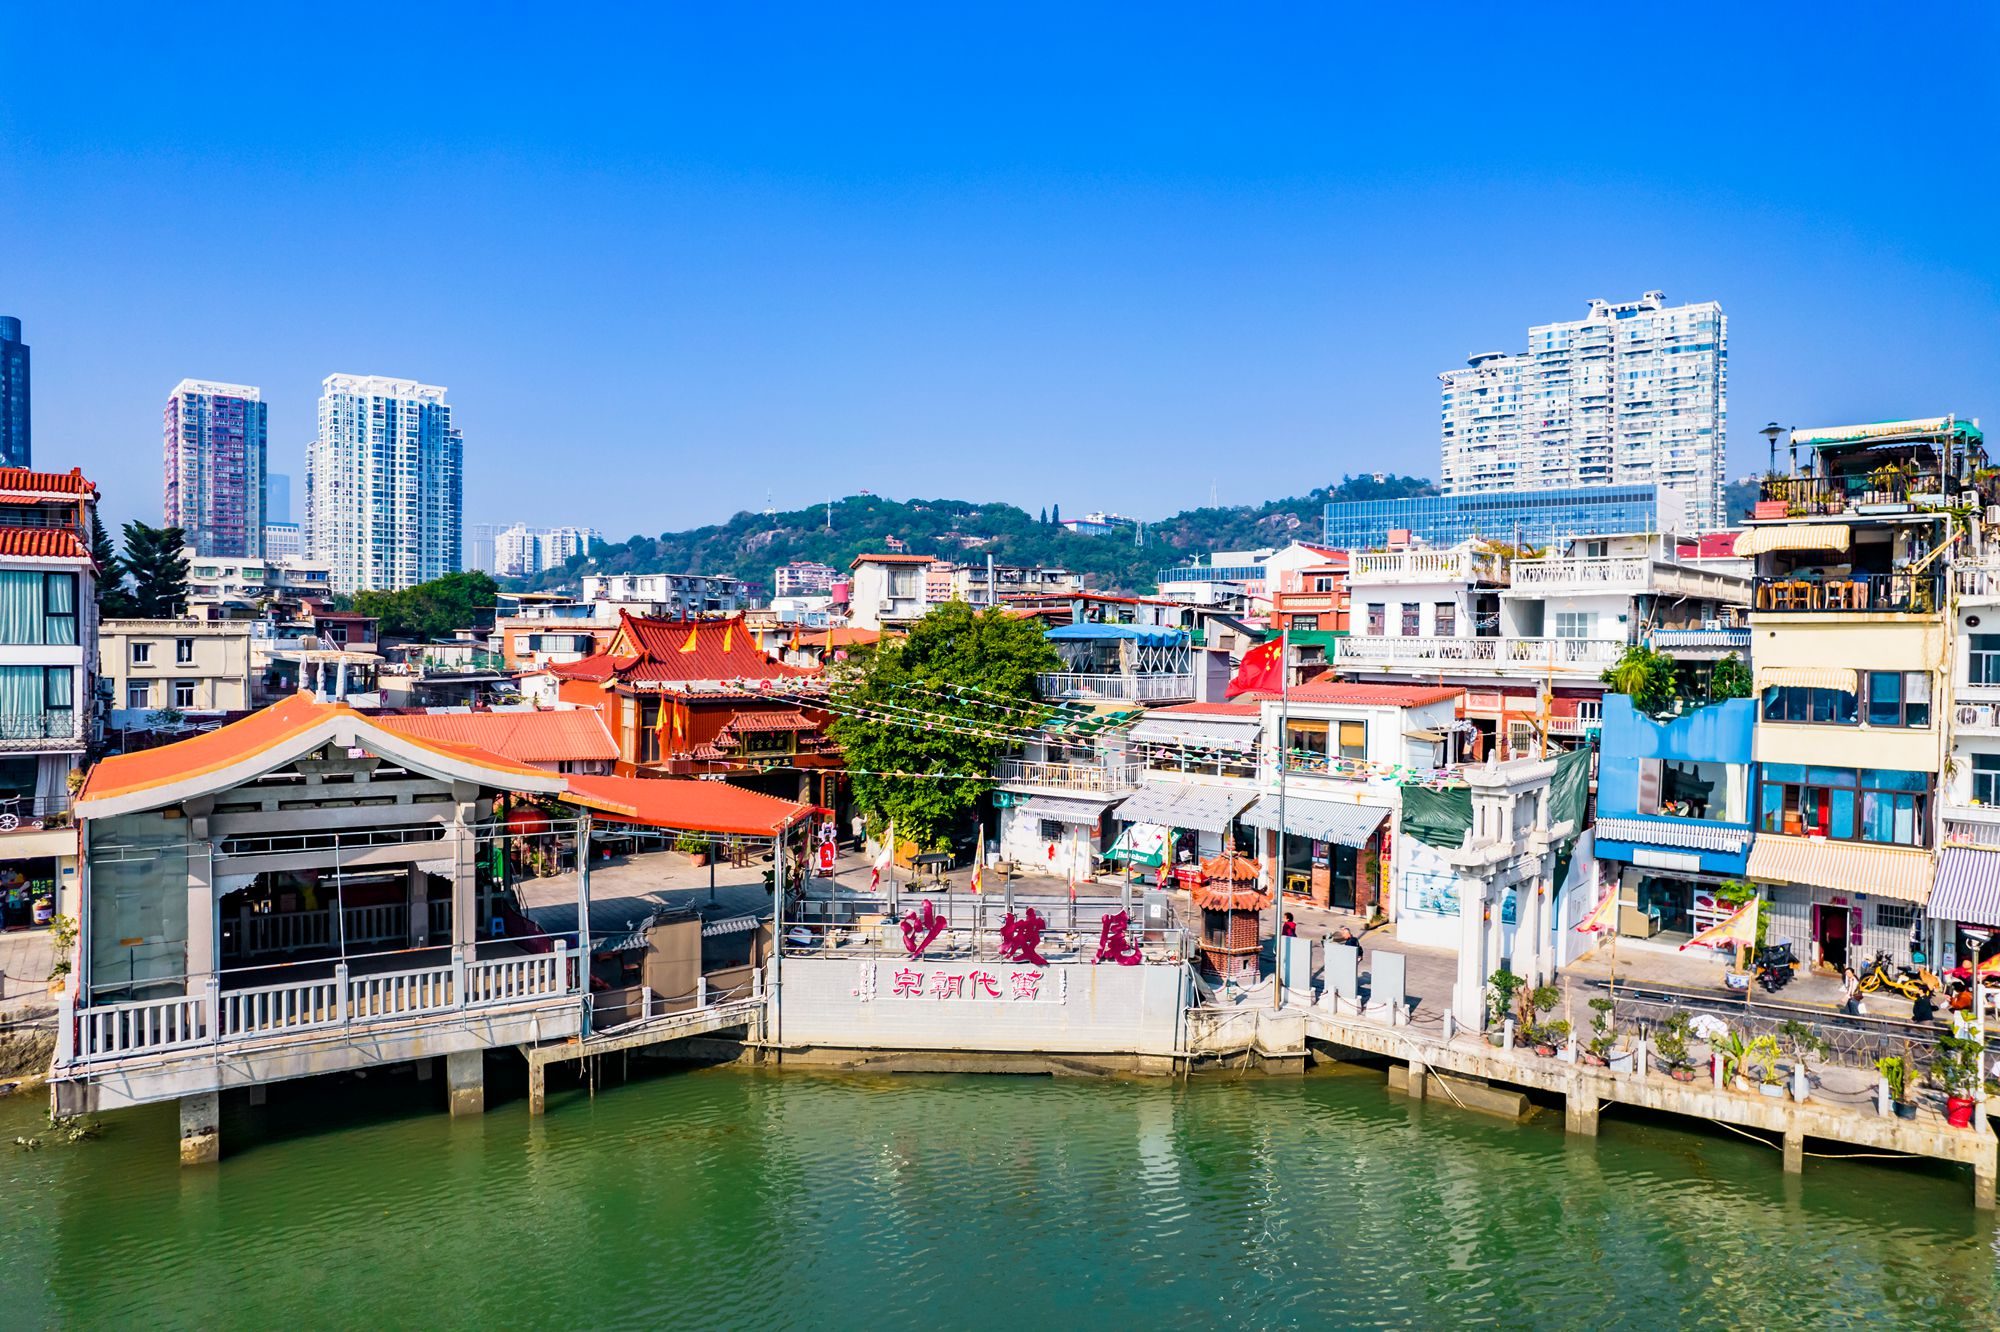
[1140, 844]
[1845, 867]
[1184, 805]
[1807, 677]
[1967, 887]
[1150, 635]
[1059, 810]
[1321, 820]
[1798, 536]
[685, 805]
[1687, 834]
[1206, 732]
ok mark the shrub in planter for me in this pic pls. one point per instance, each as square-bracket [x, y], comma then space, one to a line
[1895, 1070]
[1550, 1036]
[1671, 1044]
[1603, 1031]
[1956, 1069]
[1501, 987]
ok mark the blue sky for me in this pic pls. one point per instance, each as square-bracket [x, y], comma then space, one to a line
[668, 259]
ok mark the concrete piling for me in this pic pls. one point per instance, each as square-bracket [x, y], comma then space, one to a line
[465, 1080]
[201, 1129]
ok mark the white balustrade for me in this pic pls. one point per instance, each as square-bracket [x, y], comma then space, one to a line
[143, 1025]
[1613, 571]
[277, 1008]
[401, 993]
[1590, 654]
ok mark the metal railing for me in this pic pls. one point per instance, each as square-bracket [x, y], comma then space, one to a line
[1591, 654]
[468, 663]
[1807, 495]
[32, 730]
[1108, 776]
[259, 933]
[1148, 688]
[1901, 593]
[216, 1017]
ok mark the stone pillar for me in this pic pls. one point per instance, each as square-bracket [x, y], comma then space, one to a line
[1795, 1151]
[538, 1086]
[201, 959]
[1420, 1077]
[465, 875]
[1468, 995]
[1985, 1168]
[416, 894]
[1580, 1113]
[465, 1080]
[201, 1129]
[1529, 929]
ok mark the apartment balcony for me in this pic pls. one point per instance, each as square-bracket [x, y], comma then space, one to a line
[1517, 656]
[42, 731]
[1093, 778]
[1114, 688]
[1977, 582]
[1882, 593]
[1426, 566]
[1716, 642]
[463, 664]
[1884, 490]
[1630, 574]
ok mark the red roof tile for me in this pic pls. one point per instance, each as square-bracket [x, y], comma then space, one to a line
[646, 651]
[26, 481]
[772, 721]
[1213, 709]
[859, 560]
[1372, 695]
[42, 543]
[525, 737]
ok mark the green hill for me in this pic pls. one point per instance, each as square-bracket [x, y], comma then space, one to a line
[751, 545]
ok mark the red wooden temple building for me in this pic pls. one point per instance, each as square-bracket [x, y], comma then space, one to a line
[702, 698]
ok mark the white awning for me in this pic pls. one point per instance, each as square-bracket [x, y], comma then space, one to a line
[1844, 867]
[1796, 536]
[1056, 809]
[1807, 677]
[1321, 820]
[1185, 805]
[1200, 732]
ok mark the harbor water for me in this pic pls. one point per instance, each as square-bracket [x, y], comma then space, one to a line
[739, 1198]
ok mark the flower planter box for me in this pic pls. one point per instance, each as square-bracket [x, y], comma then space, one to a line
[1904, 1109]
[1958, 1111]
[1774, 1089]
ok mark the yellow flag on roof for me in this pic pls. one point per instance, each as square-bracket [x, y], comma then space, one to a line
[693, 630]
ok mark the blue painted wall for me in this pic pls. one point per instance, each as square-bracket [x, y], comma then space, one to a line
[1718, 733]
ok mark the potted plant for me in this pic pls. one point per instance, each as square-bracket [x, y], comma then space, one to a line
[1895, 1070]
[1551, 1037]
[1597, 1050]
[62, 940]
[1672, 1045]
[1501, 987]
[693, 847]
[1801, 1041]
[1761, 1057]
[1730, 1051]
[1956, 1068]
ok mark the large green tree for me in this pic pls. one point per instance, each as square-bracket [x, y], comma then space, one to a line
[432, 610]
[113, 601]
[936, 704]
[155, 560]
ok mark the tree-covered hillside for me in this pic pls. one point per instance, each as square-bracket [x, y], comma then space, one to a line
[751, 545]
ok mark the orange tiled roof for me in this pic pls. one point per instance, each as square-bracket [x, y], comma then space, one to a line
[691, 806]
[525, 737]
[212, 751]
[859, 560]
[1372, 695]
[42, 543]
[24, 480]
[679, 651]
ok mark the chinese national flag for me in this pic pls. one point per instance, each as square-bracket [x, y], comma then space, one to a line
[1262, 669]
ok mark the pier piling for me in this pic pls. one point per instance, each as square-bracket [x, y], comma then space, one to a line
[201, 1129]
[465, 1079]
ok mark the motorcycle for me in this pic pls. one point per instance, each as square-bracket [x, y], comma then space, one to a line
[1774, 967]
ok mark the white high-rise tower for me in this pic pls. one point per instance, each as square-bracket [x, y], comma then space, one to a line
[1635, 392]
[384, 483]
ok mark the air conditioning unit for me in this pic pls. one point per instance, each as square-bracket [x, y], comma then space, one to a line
[1975, 714]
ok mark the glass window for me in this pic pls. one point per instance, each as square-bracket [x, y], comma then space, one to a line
[1376, 613]
[1899, 698]
[1576, 624]
[183, 693]
[1985, 660]
[1412, 619]
[183, 651]
[1986, 779]
[1871, 805]
[37, 608]
[1353, 739]
[1789, 703]
[139, 694]
[1051, 830]
[59, 608]
[1445, 619]
[141, 653]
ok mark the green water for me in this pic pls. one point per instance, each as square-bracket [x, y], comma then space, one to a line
[728, 1198]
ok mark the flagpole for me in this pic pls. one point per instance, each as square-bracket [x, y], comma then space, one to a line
[1278, 878]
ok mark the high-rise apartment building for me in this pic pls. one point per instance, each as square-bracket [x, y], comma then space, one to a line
[16, 437]
[1634, 393]
[384, 483]
[213, 437]
[521, 551]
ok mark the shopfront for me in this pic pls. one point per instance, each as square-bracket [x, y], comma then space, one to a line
[1328, 852]
[1964, 907]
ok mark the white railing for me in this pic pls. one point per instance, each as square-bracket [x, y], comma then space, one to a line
[258, 933]
[1072, 776]
[1426, 566]
[1153, 688]
[1592, 654]
[1718, 640]
[1611, 571]
[1977, 580]
[217, 1016]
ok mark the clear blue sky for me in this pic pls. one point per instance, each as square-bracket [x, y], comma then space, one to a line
[666, 259]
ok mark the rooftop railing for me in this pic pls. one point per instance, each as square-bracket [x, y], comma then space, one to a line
[1898, 593]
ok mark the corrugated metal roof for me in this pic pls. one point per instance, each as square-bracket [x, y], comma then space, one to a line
[1184, 805]
[1967, 886]
[1846, 867]
[1807, 677]
[1687, 834]
[1064, 811]
[1220, 732]
[1321, 820]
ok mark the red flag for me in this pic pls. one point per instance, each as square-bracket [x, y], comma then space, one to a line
[1262, 669]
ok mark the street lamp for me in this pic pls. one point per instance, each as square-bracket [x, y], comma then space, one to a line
[1770, 434]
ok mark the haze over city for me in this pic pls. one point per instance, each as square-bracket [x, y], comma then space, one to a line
[1043, 256]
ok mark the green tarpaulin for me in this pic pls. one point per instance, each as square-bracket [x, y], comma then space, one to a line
[1439, 818]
